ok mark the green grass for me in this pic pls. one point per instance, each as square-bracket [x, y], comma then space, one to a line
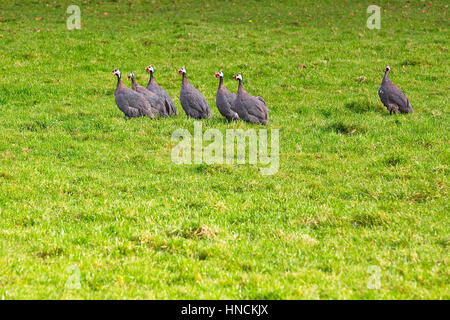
[81, 186]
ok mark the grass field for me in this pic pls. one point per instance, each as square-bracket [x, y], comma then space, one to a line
[82, 187]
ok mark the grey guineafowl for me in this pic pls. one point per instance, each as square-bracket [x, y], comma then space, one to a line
[131, 103]
[225, 100]
[192, 101]
[249, 108]
[392, 97]
[159, 91]
[154, 101]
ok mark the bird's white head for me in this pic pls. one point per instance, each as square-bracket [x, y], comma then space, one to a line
[116, 72]
[219, 74]
[182, 70]
[149, 68]
[238, 76]
[131, 75]
[388, 68]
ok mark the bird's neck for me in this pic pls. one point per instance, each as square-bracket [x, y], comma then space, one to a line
[184, 79]
[221, 82]
[386, 76]
[240, 87]
[120, 84]
[150, 80]
[133, 83]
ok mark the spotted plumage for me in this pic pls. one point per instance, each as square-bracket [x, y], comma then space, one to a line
[159, 91]
[130, 102]
[225, 100]
[155, 102]
[392, 97]
[250, 108]
[192, 101]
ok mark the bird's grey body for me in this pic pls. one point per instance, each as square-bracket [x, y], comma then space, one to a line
[156, 103]
[131, 103]
[165, 97]
[225, 101]
[192, 101]
[392, 97]
[250, 108]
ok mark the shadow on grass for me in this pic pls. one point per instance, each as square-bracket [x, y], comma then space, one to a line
[363, 107]
[212, 168]
[344, 128]
[410, 63]
[34, 126]
[369, 220]
[392, 161]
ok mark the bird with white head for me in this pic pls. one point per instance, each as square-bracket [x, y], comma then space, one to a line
[155, 101]
[250, 108]
[392, 97]
[193, 102]
[153, 87]
[225, 100]
[131, 103]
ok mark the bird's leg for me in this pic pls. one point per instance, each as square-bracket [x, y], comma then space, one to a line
[392, 108]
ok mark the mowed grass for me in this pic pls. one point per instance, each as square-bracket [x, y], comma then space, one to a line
[80, 186]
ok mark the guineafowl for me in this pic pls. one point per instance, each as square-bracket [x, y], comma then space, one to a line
[192, 101]
[154, 101]
[225, 100]
[159, 91]
[131, 103]
[250, 108]
[392, 97]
